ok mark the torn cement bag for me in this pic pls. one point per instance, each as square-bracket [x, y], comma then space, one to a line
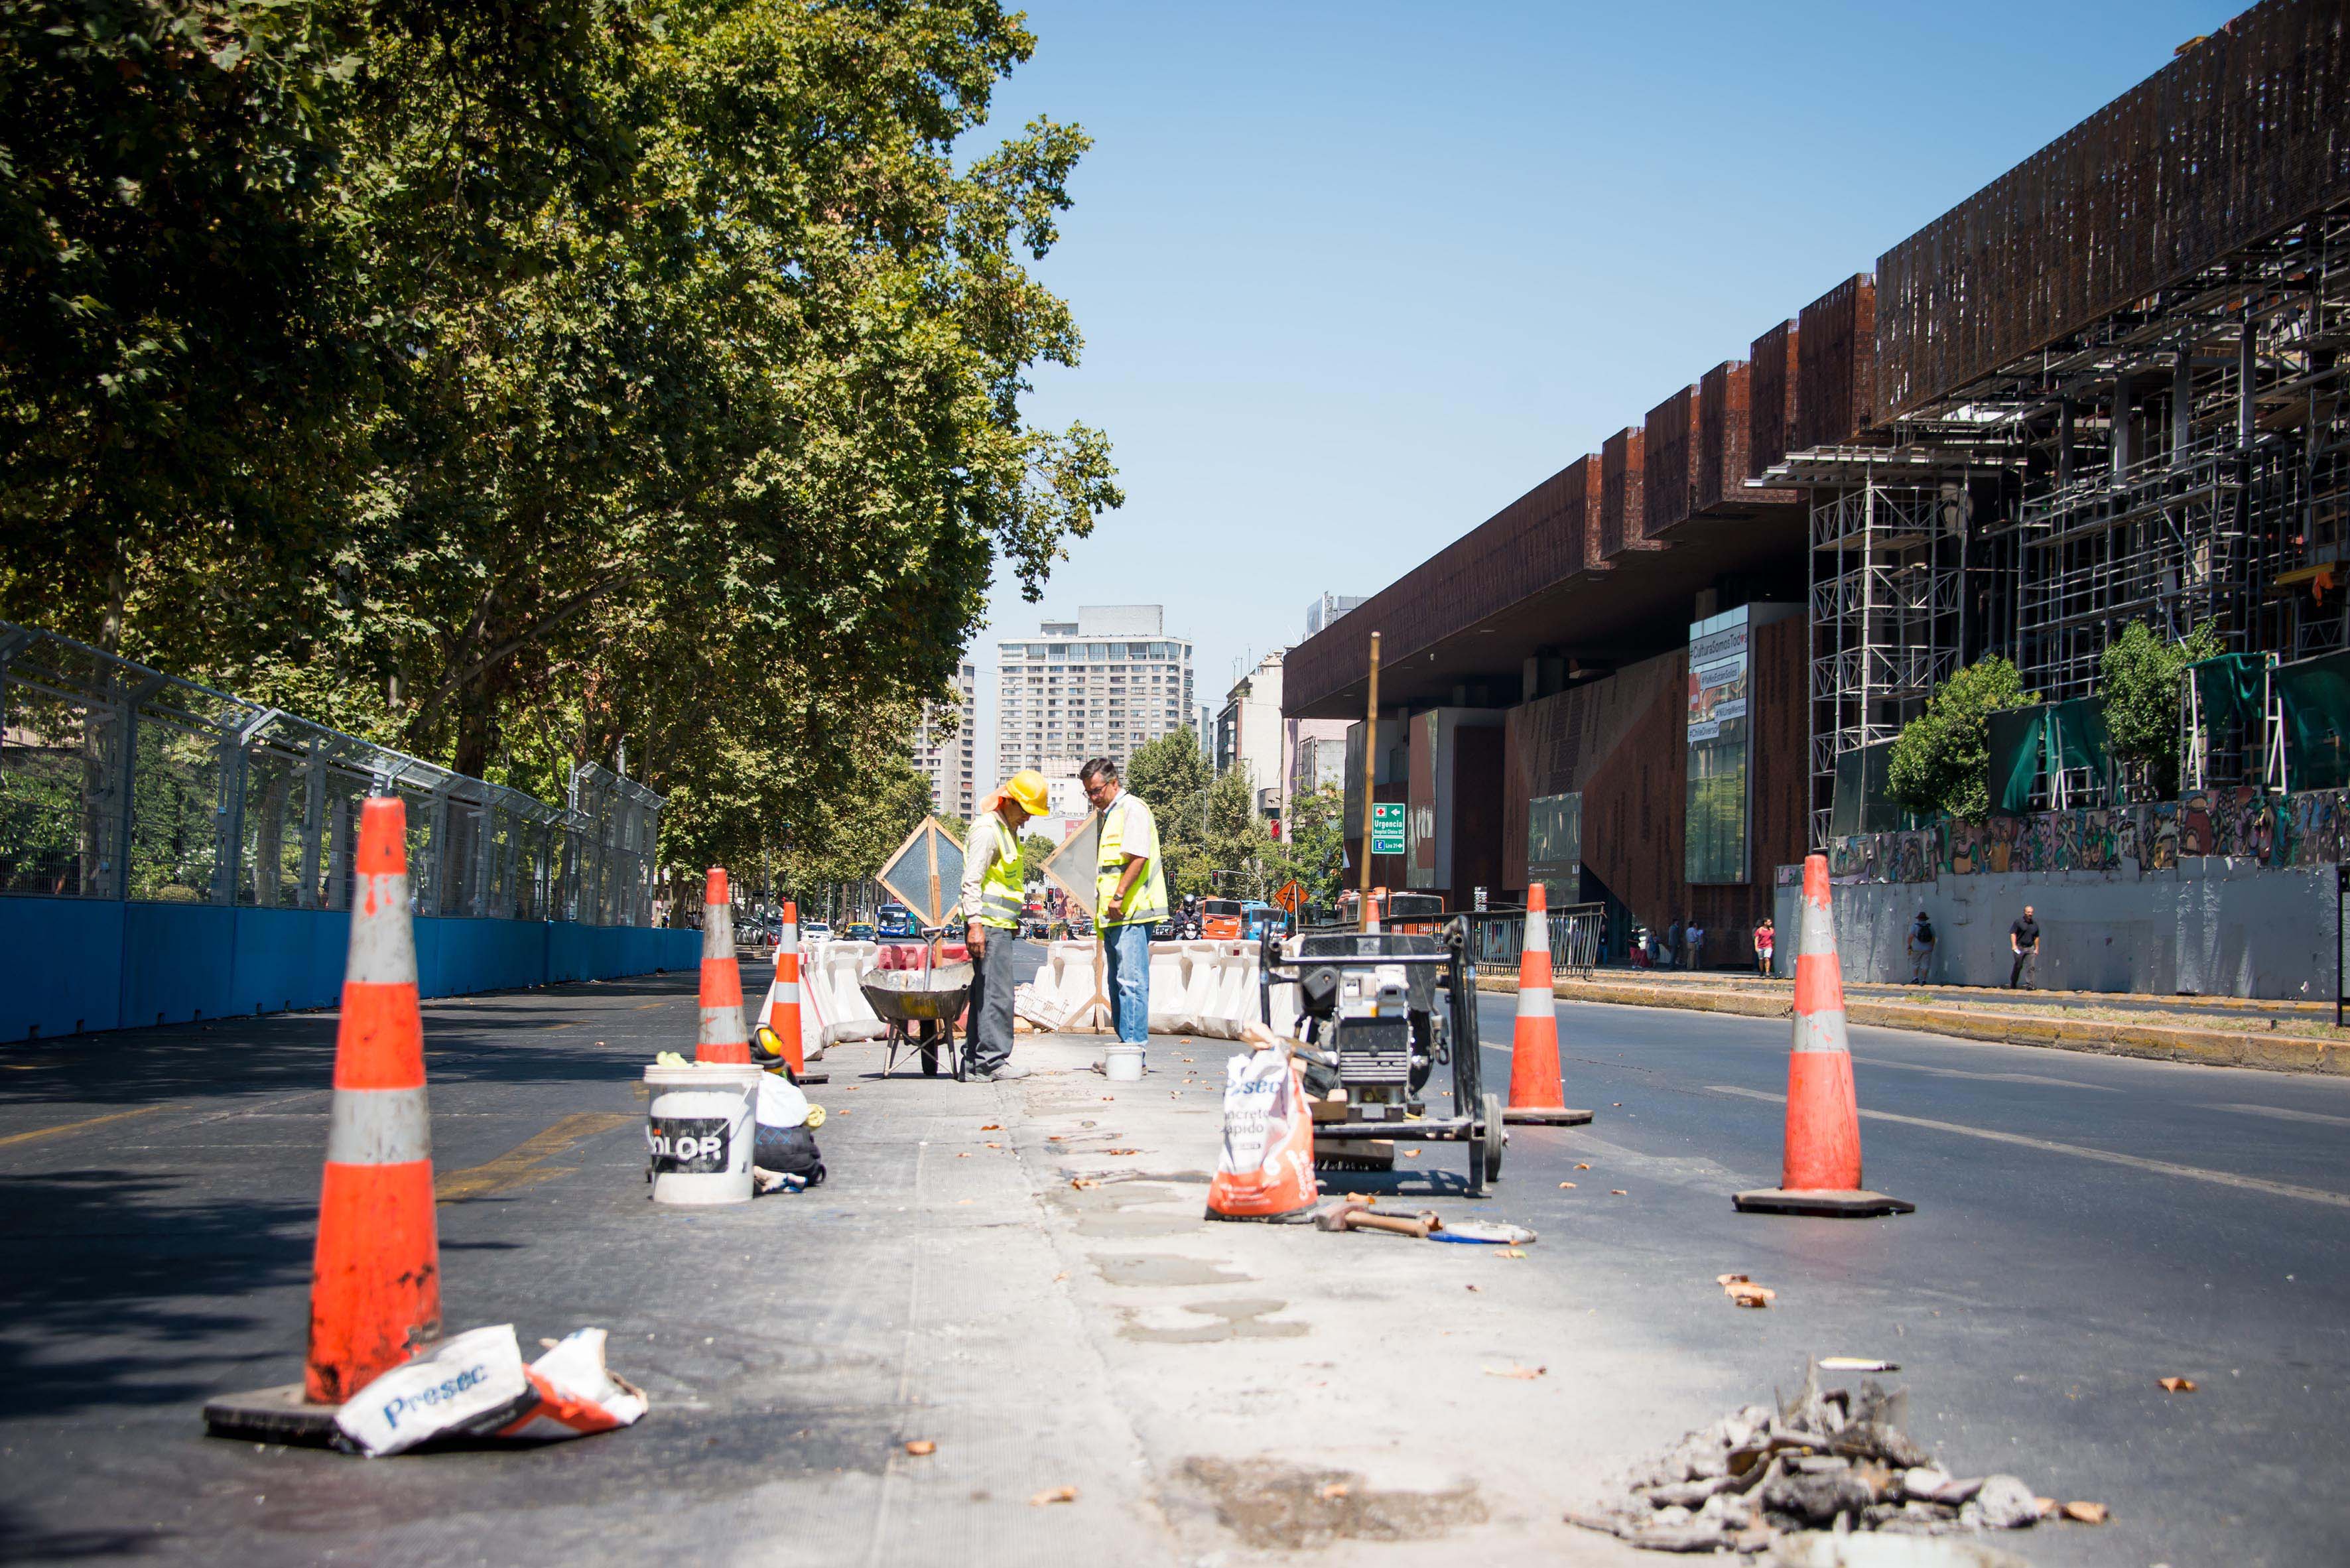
[1265, 1171]
[466, 1384]
[577, 1392]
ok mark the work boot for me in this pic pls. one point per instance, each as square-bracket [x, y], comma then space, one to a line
[1004, 1074]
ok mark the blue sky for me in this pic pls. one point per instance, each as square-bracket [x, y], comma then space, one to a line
[1353, 276]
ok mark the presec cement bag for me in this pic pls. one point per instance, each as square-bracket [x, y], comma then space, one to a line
[1266, 1169]
[469, 1383]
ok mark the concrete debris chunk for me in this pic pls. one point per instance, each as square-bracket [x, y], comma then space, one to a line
[1769, 1476]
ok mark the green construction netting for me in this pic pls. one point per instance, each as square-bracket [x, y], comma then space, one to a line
[2316, 696]
[2018, 743]
[2228, 691]
[1860, 804]
[2077, 734]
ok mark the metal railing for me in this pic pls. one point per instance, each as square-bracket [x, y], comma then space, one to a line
[1497, 937]
[121, 782]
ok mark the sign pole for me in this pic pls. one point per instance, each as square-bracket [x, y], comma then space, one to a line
[1370, 772]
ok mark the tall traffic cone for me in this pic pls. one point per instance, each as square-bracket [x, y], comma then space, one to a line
[375, 1278]
[1535, 1095]
[722, 1037]
[1822, 1173]
[779, 1017]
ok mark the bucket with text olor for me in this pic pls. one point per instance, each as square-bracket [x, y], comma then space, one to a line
[699, 1133]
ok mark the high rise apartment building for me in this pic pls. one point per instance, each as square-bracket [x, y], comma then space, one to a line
[1101, 685]
[950, 762]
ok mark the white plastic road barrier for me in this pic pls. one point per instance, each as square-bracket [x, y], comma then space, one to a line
[848, 1015]
[1199, 986]
[699, 1132]
[1168, 991]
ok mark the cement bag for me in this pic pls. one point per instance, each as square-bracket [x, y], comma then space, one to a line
[1265, 1171]
[575, 1392]
[466, 1384]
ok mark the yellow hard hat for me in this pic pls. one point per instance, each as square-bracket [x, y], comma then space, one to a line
[1027, 788]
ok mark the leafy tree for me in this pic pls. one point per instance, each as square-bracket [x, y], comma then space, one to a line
[1239, 856]
[1938, 763]
[517, 384]
[1172, 778]
[1312, 848]
[2140, 676]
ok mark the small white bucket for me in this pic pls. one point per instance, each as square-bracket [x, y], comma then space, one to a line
[699, 1133]
[1122, 1063]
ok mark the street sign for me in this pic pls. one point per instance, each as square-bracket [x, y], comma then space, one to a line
[1290, 898]
[1386, 828]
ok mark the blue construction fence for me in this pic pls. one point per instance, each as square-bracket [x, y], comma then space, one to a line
[76, 965]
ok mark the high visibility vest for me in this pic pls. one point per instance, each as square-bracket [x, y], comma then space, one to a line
[1005, 884]
[1147, 900]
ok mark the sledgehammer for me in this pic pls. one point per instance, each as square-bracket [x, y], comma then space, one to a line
[1354, 1214]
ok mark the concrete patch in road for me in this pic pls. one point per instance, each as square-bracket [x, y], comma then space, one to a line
[1236, 1320]
[1133, 1269]
[1273, 1507]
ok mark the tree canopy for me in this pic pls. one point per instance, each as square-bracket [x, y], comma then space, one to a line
[514, 384]
[2140, 674]
[1939, 764]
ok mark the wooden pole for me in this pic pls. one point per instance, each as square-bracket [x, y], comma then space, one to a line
[1370, 773]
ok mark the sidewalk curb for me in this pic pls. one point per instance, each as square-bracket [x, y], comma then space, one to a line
[2211, 1048]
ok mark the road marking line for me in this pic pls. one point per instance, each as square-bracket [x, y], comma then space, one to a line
[2283, 1115]
[63, 1128]
[1985, 1077]
[513, 1168]
[649, 1006]
[2137, 1162]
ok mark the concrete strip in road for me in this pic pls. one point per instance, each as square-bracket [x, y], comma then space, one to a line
[2080, 1151]
[2212, 1047]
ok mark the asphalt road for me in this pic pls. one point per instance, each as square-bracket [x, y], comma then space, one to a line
[2085, 1226]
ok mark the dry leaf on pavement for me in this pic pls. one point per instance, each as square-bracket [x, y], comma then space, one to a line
[1335, 1491]
[1122, 1152]
[1053, 1494]
[1511, 1252]
[919, 1447]
[1584, 1166]
[1566, 1184]
[1523, 1374]
[1618, 1192]
[2086, 1512]
[2177, 1384]
[991, 1127]
[995, 1146]
[1081, 1183]
[1743, 1292]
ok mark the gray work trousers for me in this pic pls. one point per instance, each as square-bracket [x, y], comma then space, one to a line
[990, 1043]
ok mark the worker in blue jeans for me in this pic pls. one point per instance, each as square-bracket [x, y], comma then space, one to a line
[1130, 896]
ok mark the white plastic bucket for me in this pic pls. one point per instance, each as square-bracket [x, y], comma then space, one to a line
[1122, 1063]
[699, 1132]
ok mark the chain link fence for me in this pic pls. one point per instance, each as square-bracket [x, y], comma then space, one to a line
[121, 782]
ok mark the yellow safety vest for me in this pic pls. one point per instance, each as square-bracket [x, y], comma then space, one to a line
[1147, 900]
[1002, 890]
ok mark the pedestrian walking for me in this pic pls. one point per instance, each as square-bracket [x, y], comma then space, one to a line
[1130, 891]
[1767, 941]
[1920, 947]
[1695, 937]
[2024, 939]
[995, 882]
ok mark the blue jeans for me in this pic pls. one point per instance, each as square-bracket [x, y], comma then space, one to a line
[1126, 953]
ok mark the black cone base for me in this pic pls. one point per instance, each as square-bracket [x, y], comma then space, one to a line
[279, 1414]
[1527, 1116]
[1857, 1205]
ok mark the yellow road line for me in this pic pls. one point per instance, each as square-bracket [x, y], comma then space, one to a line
[60, 1131]
[2107, 1155]
[515, 1167]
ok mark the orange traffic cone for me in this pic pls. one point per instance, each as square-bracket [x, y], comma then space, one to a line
[375, 1278]
[1535, 1095]
[375, 1282]
[1822, 1174]
[721, 1037]
[779, 1018]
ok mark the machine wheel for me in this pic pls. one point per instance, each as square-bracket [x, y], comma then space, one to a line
[1476, 1168]
[1496, 1134]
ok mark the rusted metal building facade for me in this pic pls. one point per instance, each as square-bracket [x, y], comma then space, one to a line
[2107, 388]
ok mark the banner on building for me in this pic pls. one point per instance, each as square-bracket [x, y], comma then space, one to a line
[1714, 843]
[1554, 845]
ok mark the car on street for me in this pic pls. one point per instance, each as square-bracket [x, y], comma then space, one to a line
[860, 931]
[1219, 920]
[815, 930]
[1255, 916]
[1169, 929]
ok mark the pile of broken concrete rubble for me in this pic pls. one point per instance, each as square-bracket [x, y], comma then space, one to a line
[1822, 1460]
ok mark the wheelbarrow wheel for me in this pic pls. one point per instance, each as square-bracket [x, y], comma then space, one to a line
[1496, 1134]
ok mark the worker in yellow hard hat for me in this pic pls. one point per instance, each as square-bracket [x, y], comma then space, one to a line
[994, 886]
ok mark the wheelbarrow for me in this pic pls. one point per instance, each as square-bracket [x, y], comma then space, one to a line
[920, 1006]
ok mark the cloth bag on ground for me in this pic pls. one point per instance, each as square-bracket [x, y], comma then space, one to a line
[786, 1143]
[1265, 1171]
[576, 1393]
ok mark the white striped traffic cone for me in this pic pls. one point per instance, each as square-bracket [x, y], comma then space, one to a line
[1536, 1096]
